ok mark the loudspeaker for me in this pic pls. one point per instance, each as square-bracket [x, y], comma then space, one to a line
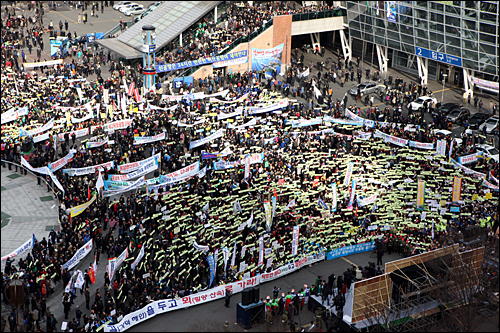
[250, 294]
[245, 297]
[256, 294]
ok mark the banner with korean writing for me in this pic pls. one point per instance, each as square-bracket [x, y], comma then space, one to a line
[351, 249]
[25, 247]
[115, 125]
[420, 194]
[469, 158]
[421, 145]
[75, 211]
[268, 60]
[78, 134]
[279, 105]
[129, 167]
[151, 166]
[211, 266]
[348, 173]
[291, 267]
[139, 140]
[216, 135]
[364, 202]
[334, 199]
[457, 189]
[199, 62]
[441, 147]
[79, 255]
[167, 305]
[295, 240]
[268, 214]
[53, 167]
[89, 170]
[39, 130]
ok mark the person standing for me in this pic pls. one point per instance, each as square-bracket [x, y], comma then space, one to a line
[66, 25]
[380, 253]
[79, 18]
[476, 99]
[227, 298]
[84, 18]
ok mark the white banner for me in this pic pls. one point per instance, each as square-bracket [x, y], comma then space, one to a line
[240, 99]
[276, 106]
[89, 116]
[89, 170]
[199, 122]
[137, 184]
[167, 305]
[268, 214]
[295, 240]
[216, 135]
[79, 255]
[139, 140]
[43, 63]
[25, 247]
[291, 267]
[142, 171]
[237, 112]
[43, 170]
[441, 147]
[78, 133]
[371, 199]
[348, 173]
[230, 62]
[252, 122]
[126, 168]
[261, 251]
[421, 145]
[53, 167]
[139, 257]
[120, 124]
[97, 144]
[39, 130]
[42, 137]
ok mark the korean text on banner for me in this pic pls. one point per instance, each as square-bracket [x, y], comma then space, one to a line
[216, 135]
[457, 189]
[295, 240]
[351, 249]
[25, 247]
[75, 211]
[348, 173]
[420, 194]
[79, 255]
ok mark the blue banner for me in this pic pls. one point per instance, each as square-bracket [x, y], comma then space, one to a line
[225, 165]
[211, 265]
[268, 60]
[198, 62]
[392, 10]
[351, 249]
[206, 156]
[438, 56]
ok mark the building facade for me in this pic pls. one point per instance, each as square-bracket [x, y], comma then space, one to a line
[430, 38]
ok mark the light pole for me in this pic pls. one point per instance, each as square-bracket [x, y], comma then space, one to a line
[442, 91]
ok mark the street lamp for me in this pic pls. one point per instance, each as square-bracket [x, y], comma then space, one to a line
[442, 91]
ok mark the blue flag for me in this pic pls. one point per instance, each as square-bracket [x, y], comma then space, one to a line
[322, 204]
[211, 265]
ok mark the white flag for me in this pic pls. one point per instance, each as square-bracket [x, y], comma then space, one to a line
[291, 204]
[233, 259]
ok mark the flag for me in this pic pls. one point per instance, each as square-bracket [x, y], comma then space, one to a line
[93, 270]
[250, 220]
[205, 208]
[432, 230]
[451, 149]
[136, 95]
[322, 204]
[80, 281]
[261, 251]
[353, 191]
[378, 10]
[273, 199]
[233, 259]
[89, 196]
[131, 89]
[139, 257]
[247, 167]
[55, 143]
[211, 265]
[291, 204]
[225, 252]
[334, 199]
[99, 185]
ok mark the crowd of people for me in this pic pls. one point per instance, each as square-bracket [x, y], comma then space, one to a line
[225, 205]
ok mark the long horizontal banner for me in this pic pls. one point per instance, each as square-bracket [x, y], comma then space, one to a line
[202, 61]
[421, 145]
[134, 185]
[252, 122]
[89, 116]
[199, 122]
[467, 170]
[197, 143]
[120, 124]
[276, 106]
[140, 140]
[117, 186]
[39, 130]
[53, 167]
[343, 121]
[237, 112]
[79, 255]
[77, 210]
[78, 134]
[242, 98]
[163, 306]
[363, 202]
[306, 122]
[129, 167]
[470, 158]
[184, 172]
[192, 96]
[391, 139]
[43, 63]
[151, 166]
[23, 248]
[13, 114]
[42, 137]
[171, 181]
[351, 249]
[89, 170]
[231, 62]
[96, 144]
[252, 159]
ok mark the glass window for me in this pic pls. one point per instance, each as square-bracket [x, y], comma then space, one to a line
[436, 27]
[352, 6]
[436, 37]
[487, 49]
[401, 60]
[393, 44]
[393, 35]
[407, 30]
[488, 28]
[422, 42]
[452, 41]
[488, 17]
[487, 38]
[392, 26]
[420, 24]
[422, 4]
[354, 25]
[470, 64]
[382, 41]
[466, 54]
[437, 17]
[468, 44]
[407, 20]
[436, 46]
[454, 21]
[406, 39]
[379, 32]
[451, 50]
[472, 25]
[488, 6]
[380, 23]
[422, 33]
[452, 10]
[408, 48]
[355, 33]
[422, 14]
[452, 31]
[368, 37]
[436, 6]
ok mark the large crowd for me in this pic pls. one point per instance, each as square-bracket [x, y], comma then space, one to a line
[306, 149]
